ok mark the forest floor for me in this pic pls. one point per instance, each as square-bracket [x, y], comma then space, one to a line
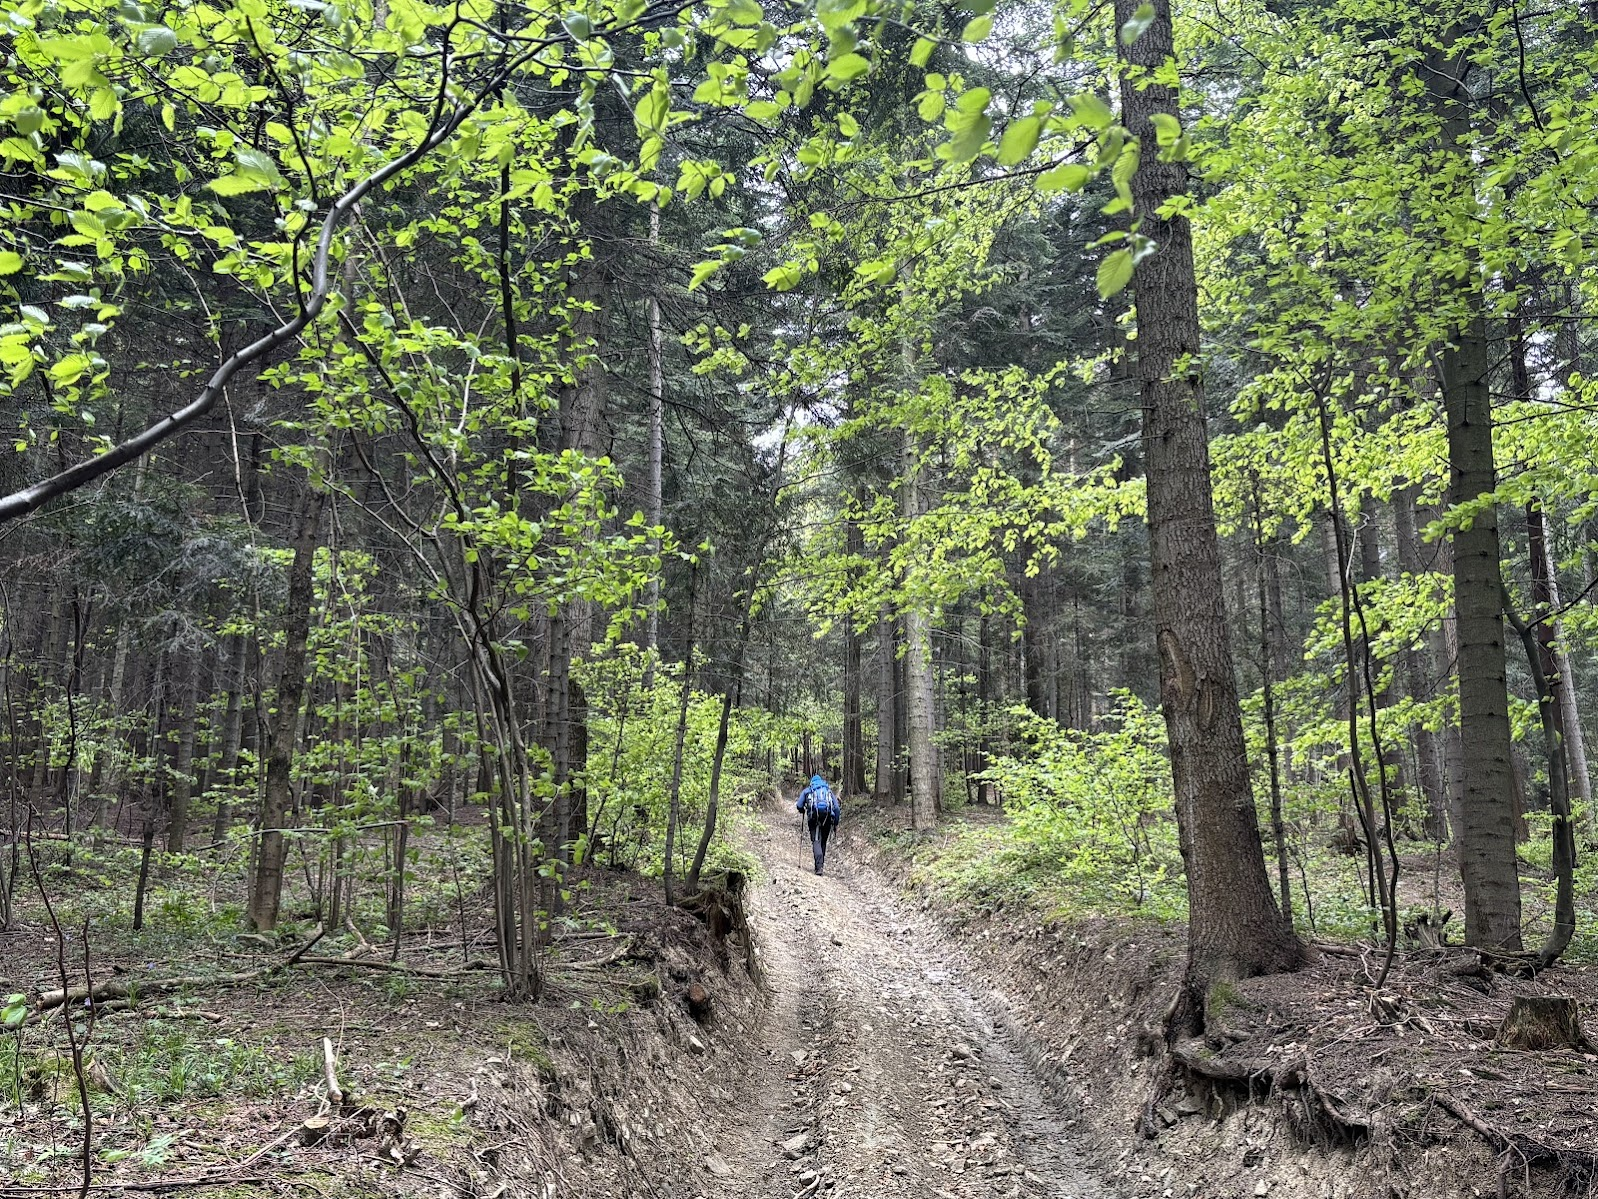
[877, 1036]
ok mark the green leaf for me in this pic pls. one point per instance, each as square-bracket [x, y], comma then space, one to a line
[1092, 111]
[10, 262]
[238, 185]
[974, 101]
[1137, 24]
[977, 29]
[155, 42]
[578, 26]
[1019, 140]
[703, 271]
[103, 104]
[1115, 272]
[785, 277]
[921, 52]
[847, 67]
[968, 140]
[1068, 177]
[1166, 128]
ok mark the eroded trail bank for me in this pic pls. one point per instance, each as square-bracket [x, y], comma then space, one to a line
[879, 1071]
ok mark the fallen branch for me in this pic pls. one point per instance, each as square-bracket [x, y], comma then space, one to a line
[154, 1184]
[398, 967]
[625, 949]
[123, 988]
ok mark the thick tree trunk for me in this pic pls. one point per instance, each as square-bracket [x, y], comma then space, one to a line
[1235, 929]
[1487, 862]
[266, 891]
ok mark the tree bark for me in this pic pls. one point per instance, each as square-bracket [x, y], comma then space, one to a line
[1235, 929]
[183, 759]
[886, 678]
[925, 772]
[267, 890]
[654, 493]
[227, 763]
[1487, 862]
[852, 772]
[1422, 671]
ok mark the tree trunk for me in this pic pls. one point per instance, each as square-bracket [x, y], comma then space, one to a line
[886, 678]
[183, 758]
[852, 772]
[267, 889]
[654, 493]
[1422, 671]
[1542, 662]
[1034, 653]
[925, 773]
[227, 763]
[1235, 929]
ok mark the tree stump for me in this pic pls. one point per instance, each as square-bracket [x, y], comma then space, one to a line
[1542, 1022]
[699, 1002]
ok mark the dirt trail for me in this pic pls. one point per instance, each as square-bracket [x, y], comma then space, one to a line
[882, 1074]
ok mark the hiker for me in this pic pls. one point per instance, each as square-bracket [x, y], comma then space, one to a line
[822, 812]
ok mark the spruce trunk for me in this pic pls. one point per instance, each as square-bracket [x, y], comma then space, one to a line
[1234, 926]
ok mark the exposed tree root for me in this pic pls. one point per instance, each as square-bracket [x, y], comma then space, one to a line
[1576, 1169]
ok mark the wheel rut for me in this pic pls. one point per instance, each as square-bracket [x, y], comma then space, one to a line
[880, 1073]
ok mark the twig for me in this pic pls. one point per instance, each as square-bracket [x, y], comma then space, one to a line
[76, 1047]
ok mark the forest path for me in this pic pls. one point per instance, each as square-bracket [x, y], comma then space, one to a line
[881, 1075]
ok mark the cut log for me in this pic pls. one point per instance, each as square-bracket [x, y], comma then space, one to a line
[1542, 1022]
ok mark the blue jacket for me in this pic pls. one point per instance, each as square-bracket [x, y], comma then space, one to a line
[817, 793]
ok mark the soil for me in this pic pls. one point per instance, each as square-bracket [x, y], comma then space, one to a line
[879, 1071]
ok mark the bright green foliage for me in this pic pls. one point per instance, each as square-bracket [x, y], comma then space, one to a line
[631, 735]
[1094, 809]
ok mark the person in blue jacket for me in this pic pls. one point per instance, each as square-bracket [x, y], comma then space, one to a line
[822, 812]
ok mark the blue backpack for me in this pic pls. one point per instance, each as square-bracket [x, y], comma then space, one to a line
[823, 800]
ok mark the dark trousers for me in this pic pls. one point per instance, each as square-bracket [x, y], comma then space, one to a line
[820, 830]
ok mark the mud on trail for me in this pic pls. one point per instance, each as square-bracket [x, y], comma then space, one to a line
[879, 1072]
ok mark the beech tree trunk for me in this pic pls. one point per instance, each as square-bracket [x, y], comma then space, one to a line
[1487, 833]
[852, 768]
[1235, 929]
[266, 892]
[925, 773]
[1424, 677]
[886, 678]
